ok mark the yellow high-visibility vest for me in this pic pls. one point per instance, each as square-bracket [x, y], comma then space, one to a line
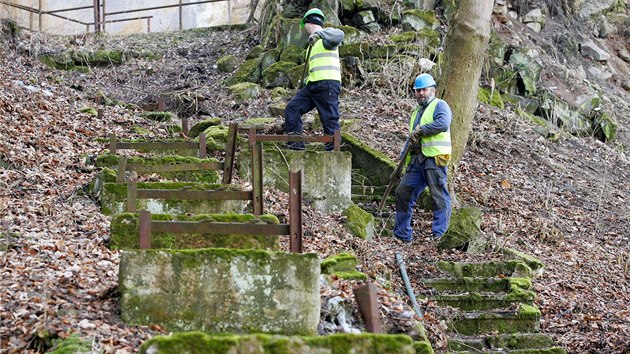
[323, 64]
[433, 145]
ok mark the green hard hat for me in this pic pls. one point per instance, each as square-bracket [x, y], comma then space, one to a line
[313, 11]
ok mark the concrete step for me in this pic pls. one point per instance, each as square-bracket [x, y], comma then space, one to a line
[475, 301]
[525, 319]
[500, 342]
[467, 284]
[550, 350]
[492, 269]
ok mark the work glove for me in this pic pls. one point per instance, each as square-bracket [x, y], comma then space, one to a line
[415, 135]
[312, 39]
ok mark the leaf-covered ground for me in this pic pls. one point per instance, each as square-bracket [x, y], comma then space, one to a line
[564, 202]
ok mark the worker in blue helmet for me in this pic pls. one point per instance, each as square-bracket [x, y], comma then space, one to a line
[323, 81]
[425, 165]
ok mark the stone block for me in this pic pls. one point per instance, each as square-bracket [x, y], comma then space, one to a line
[326, 180]
[221, 290]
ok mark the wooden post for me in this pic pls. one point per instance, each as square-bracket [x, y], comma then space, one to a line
[112, 144]
[99, 114]
[295, 212]
[180, 16]
[202, 145]
[145, 229]
[122, 167]
[367, 299]
[230, 152]
[132, 196]
[97, 16]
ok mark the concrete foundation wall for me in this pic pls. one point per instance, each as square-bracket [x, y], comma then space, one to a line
[221, 290]
[193, 16]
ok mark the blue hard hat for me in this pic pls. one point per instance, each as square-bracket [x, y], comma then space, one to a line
[423, 81]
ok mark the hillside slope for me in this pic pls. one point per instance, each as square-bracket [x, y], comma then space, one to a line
[563, 201]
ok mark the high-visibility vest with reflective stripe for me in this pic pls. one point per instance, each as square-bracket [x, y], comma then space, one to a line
[433, 145]
[323, 64]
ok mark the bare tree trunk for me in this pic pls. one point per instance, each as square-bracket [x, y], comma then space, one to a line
[466, 44]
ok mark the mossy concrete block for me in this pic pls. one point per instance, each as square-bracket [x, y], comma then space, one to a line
[221, 290]
[201, 126]
[378, 166]
[124, 233]
[159, 116]
[508, 268]
[201, 175]
[216, 138]
[417, 20]
[502, 342]
[244, 91]
[227, 64]
[465, 226]
[249, 71]
[491, 97]
[277, 75]
[326, 179]
[536, 265]
[339, 343]
[343, 262]
[359, 222]
[486, 285]
[524, 320]
[114, 199]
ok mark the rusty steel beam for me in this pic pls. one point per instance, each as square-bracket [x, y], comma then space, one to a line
[230, 152]
[132, 196]
[203, 227]
[337, 140]
[113, 144]
[122, 168]
[295, 212]
[145, 229]
[367, 299]
[183, 194]
[177, 167]
[175, 145]
[202, 145]
[257, 178]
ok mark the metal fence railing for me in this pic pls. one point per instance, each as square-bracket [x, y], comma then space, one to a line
[101, 16]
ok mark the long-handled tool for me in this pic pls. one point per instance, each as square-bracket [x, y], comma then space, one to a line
[395, 177]
[306, 65]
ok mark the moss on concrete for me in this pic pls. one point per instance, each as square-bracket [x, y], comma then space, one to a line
[343, 262]
[71, 345]
[376, 164]
[203, 343]
[124, 233]
[359, 222]
[485, 269]
[159, 116]
[199, 127]
[89, 110]
[277, 74]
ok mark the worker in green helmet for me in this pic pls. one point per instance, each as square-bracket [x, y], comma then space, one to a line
[323, 82]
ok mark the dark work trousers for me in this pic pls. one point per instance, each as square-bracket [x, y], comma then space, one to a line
[420, 173]
[323, 95]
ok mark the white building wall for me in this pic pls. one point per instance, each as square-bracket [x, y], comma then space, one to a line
[193, 15]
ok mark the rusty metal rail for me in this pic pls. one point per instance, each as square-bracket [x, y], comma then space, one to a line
[293, 228]
[227, 165]
[115, 145]
[335, 139]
